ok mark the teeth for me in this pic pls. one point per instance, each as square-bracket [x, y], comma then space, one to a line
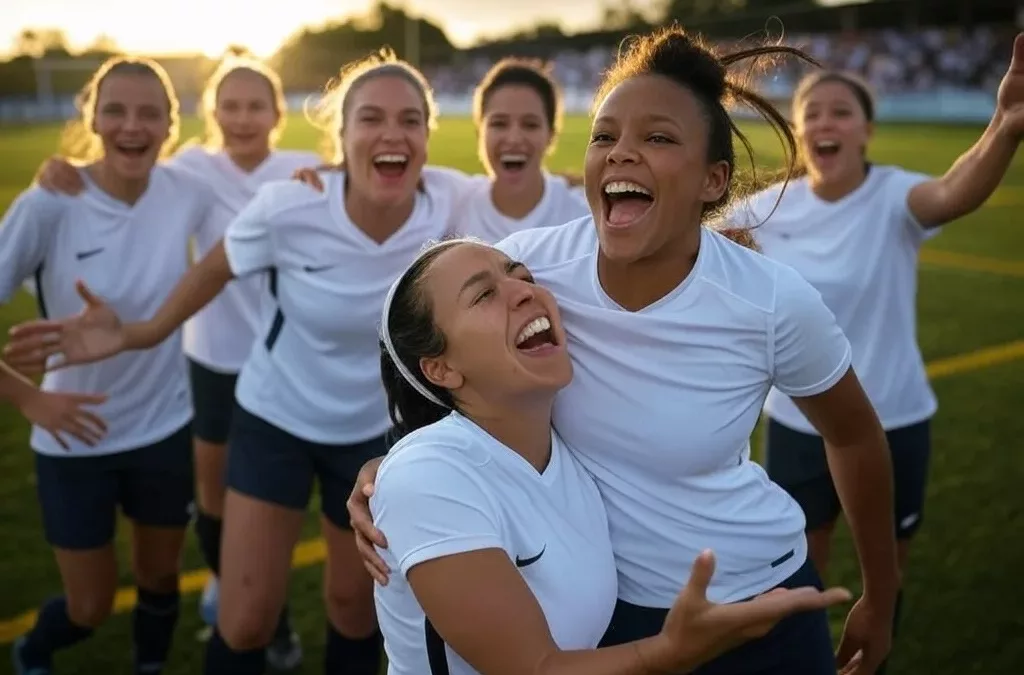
[625, 186]
[538, 325]
[512, 157]
[391, 159]
[826, 145]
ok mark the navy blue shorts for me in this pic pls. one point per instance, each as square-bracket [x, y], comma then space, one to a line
[213, 397]
[798, 645]
[79, 496]
[796, 462]
[270, 464]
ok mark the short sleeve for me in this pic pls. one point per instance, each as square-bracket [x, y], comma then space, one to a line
[809, 351]
[897, 191]
[429, 507]
[247, 240]
[24, 236]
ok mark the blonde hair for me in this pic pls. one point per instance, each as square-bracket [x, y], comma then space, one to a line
[237, 60]
[328, 114]
[79, 139]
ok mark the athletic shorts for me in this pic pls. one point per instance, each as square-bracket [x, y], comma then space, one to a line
[800, 644]
[213, 398]
[796, 462]
[79, 496]
[270, 464]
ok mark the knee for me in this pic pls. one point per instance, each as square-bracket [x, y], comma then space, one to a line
[89, 610]
[349, 603]
[245, 629]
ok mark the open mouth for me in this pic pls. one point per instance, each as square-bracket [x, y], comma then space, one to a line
[391, 165]
[827, 148]
[626, 202]
[536, 335]
[133, 150]
[513, 162]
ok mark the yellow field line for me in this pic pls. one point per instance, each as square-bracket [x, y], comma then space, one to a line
[972, 263]
[312, 552]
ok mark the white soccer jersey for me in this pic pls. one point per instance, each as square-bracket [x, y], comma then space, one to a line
[861, 254]
[477, 216]
[664, 400]
[315, 369]
[451, 488]
[221, 334]
[131, 256]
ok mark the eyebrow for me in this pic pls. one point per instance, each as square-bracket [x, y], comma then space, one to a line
[369, 107]
[510, 267]
[650, 117]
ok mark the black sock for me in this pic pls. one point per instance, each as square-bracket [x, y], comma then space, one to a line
[153, 621]
[208, 529]
[895, 627]
[284, 625]
[221, 659]
[53, 630]
[354, 657]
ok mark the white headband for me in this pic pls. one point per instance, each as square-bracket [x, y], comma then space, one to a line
[385, 336]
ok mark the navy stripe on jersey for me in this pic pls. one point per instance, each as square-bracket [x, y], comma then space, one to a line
[40, 300]
[437, 657]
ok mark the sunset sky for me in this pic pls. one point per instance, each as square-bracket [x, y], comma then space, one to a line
[208, 26]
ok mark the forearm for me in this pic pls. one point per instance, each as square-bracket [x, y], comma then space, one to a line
[15, 388]
[197, 288]
[640, 657]
[862, 472]
[976, 174]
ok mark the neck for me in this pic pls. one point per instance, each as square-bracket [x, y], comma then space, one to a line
[378, 221]
[248, 162]
[639, 283]
[833, 191]
[126, 190]
[517, 201]
[525, 427]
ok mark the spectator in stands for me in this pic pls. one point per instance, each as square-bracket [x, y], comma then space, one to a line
[127, 235]
[677, 335]
[480, 489]
[244, 111]
[854, 231]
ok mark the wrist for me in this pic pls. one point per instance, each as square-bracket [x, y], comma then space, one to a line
[657, 656]
[138, 335]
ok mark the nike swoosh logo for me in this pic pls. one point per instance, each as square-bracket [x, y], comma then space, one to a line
[317, 268]
[524, 562]
[82, 255]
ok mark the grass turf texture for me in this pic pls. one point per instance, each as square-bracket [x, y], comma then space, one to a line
[959, 614]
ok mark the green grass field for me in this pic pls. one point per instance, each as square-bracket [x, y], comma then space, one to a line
[963, 607]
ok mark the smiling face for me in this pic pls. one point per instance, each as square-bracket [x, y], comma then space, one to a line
[503, 333]
[515, 134]
[385, 137]
[833, 131]
[246, 113]
[646, 167]
[132, 119]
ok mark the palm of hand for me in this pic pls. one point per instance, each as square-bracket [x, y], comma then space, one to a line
[93, 335]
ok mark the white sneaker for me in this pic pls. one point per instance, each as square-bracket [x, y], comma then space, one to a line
[285, 653]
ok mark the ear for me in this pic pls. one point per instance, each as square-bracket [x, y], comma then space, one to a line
[439, 373]
[715, 183]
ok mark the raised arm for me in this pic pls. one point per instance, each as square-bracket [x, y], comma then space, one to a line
[976, 174]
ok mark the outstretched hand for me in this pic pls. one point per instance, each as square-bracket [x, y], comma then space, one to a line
[697, 630]
[96, 333]
[1010, 98]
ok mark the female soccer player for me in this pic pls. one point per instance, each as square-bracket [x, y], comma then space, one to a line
[55, 412]
[311, 403]
[677, 334]
[244, 110]
[854, 231]
[517, 108]
[126, 235]
[482, 495]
